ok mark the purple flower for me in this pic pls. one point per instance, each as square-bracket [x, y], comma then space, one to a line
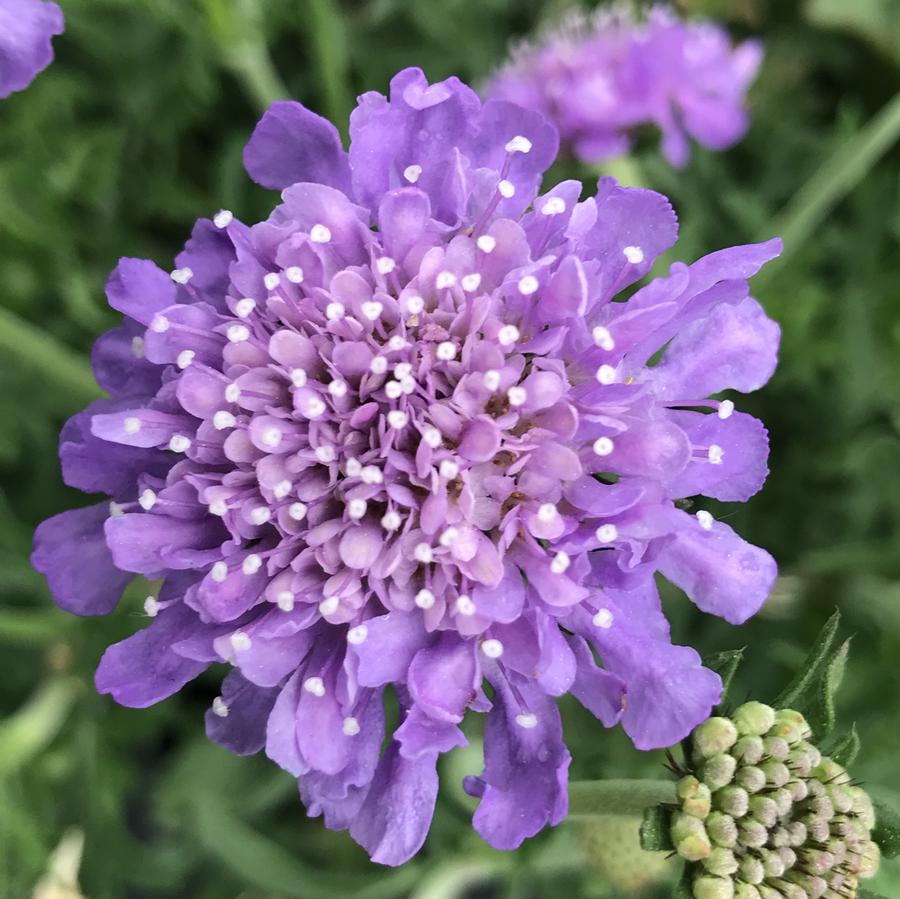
[401, 435]
[26, 27]
[597, 82]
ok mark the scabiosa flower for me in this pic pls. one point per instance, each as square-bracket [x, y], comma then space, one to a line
[26, 27]
[598, 80]
[401, 435]
[767, 815]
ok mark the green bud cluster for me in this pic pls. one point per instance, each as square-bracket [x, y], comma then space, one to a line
[764, 815]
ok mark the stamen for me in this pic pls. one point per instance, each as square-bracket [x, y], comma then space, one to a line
[528, 285]
[251, 564]
[115, 509]
[715, 454]
[606, 374]
[471, 282]
[334, 311]
[356, 508]
[147, 499]
[314, 407]
[635, 255]
[402, 370]
[159, 324]
[508, 335]
[272, 280]
[507, 189]
[260, 515]
[237, 333]
[338, 388]
[325, 454]
[603, 619]
[394, 390]
[314, 685]
[232, 393]
[378, 365]
[182, 275]
[423, 553]
[432, 436]
[372, 309]
[603, 446]
[519, 144]
[350, 727]
[726, 408]
[371, 474]
[385, 265]
[705, 519]
[223, 218]
[396, 343]
[412, 173]
[151, 606]
[282, 489]
[465, 606]
[553, 206]
[415, 304]
[444, 280]
[185, 358]
[220, 707]
[446, 351]
[137, 347]
[297, 511]
[517, 396]
[358, 634]
[244, 307]
[218, 507]
[448, 469]
[603, 339]
[492, 648]
[560, 563]
[425, 599]
[492, 379]
[223, 419]
[179, 443]
[397, 419]
[391, 521]
[486, 243]
[285, 601]
[546, 512]
[294, 274]
[320, 234]
[271, 436]
[353, 468]
[527, 720]
[607, 533]
[240, 641]
[329, 605]
[449, 536]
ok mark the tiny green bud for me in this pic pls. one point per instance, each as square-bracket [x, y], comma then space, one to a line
[690, 838]
[821, 807]
[796, 831]
[698, 802]
[788, 856]
[841, 798]
[714, 736]
[746, 891]
[748, 750]
[817, 829]
[722, 830]
[773, 864]
[721, 862]
[799, 790]
[752, 834]
[687, 787]
[777, 748]
[862, 806]
[791, 725]
[871, 859]
[754, 718]
[817, 861]
[684, 825]
[707, 887]
[751, 778]
[783, 800]
[829, 771]
[764, 810]
[789, 890]
[752, 869]
[718, 771]
[777, 774]
[732, 800]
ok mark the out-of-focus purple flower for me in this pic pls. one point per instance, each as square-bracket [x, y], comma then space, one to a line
[26, 27]
[598, 81]
[402, 434]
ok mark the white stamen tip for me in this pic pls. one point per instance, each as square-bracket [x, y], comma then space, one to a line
[425, 599]
[444, 280]
[607, 533]
[232, 393]
[491, 379]
[329, 605]
[182, 275]
[244, 307]
[358, 634]
[115, 509]
[294, 274]
[715, 454]
[603, 619]
[635, 255]
[350, 727]
[448, 469]
[412, 173]
[726, 409]
[517, 396]
[391, 521]
[137, 347]
[603, 339]
[603, 446]
[179, 443]
[414, 304]
[282, 489]
[507, 189]
[486, 243]
[356, 508]
[131, 425]
[527, 720]
[385, 265]
[528, 285]
[223, 218]
[218, 507]
[446, 351]
[314, 685]
[338, 388]
[297, 511]
[471, 282]
[546, 512]
[560, 563]
[553, 206]
[402, 370]
[508, 335]
[353, 468]
[423, 553]
[325, 454]
[147, 499]
[159, 324]
[432, 436]
[448, 537]
[397, 419]
[396, 343]
[260, 515]
[252, 564]
[334, 311]
[371, 474]
[320, 234]
[223, 419]
[285, 601]
[185, 358]
[519, 144]
[378, 365]
[271, 436]
[394, 390]
[151, 606]
[314, 407]
[464, 605]
[220, 707]
[492, 648]
[237, 333]
[272, 280]
[240, 641]
[372, 309]
[606, 374]
[705, 520]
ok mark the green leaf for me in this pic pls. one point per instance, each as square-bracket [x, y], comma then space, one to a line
[868, 894]
[887, 829]
[618, 797]
[725, 664]
[656, 829]
[684, 889]
[845, 748]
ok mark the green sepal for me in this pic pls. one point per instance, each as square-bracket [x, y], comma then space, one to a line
[843, 748]
[813, 689]
[684, 889]
[725, 664]
[656, 829]
[886, 832]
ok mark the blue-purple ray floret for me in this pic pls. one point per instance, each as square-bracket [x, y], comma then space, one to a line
[26, 27]
[598, 81]
[406, 434]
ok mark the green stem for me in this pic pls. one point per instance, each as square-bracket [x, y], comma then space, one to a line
[588, 798]
[66, 368]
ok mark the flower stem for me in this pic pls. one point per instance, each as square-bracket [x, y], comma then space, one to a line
[617, 797]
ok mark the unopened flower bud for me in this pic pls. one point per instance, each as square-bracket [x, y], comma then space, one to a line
[714, 736]
[777, 748]
[752, 834]
[753, 719]
[721, 862]
[732, 800]
[743, 890]
[696, 797]
[718, 771]
[713, 888]
[722, 829]
[764, 810]
[791, 725]
[751, 778]
[752, 870]
[777, 773]
[772, 863]
[748, 750]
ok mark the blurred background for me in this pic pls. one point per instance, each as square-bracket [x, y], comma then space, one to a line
[135, 131]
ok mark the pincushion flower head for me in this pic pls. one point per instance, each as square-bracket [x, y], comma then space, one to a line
[26, 27]
[403, 435]
[597, 81]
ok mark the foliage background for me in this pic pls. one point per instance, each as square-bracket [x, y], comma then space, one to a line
[136, 130]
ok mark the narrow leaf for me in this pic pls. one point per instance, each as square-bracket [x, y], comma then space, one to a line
[887, 829]
[798, 693]
[725, 664]
[845, 747]
[684, 889]
[656, 829]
